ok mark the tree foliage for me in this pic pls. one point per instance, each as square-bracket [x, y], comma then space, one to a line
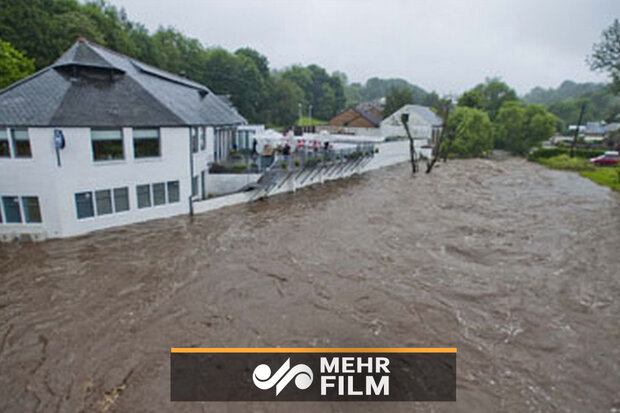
[44, 29]
[13, 64]
[520, 126]
[396, 99]
[488, 96]
[470, 131]
[606, 54]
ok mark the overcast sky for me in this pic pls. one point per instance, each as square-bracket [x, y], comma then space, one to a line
[442, 45]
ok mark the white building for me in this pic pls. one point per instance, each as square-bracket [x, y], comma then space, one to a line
[424, 125]
[99, 140]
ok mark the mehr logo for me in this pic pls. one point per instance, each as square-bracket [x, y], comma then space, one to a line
[301, 373]
[337, 373]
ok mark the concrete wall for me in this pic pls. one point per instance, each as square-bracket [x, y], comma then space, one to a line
[226, 183]
[56, 186]
[349, 130]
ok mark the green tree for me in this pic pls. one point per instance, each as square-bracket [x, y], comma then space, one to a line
[519, 126]
[471, 131]
[489, 96]
[606, 54]
[396, 99]
[13, 64]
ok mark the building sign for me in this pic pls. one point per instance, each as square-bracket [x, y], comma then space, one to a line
[313, 374]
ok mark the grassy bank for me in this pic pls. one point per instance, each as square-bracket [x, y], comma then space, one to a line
[606, 176]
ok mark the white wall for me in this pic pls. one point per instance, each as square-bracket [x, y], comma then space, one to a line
[227, 183]
[56, 186]
[418, 126]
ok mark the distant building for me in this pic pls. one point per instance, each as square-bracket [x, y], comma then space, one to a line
[363, 119]
[424, 125]
[99, 139]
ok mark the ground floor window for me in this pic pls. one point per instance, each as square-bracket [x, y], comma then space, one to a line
[19, 210]
[104, 202]
[173, 191]
[121, 199]
[11, 209]
[159, 193]
[84, 205]
[103, 199]
[144, 196]
[32, 211]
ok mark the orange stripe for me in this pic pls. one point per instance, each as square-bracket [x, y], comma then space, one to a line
[312, 350]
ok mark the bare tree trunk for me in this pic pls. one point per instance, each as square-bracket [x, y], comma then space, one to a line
[429, 165]
[404, 118]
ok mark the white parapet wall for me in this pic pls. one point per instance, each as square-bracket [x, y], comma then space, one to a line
[390, 153]
[219, 184]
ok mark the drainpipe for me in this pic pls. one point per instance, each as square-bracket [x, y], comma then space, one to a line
[191, 175]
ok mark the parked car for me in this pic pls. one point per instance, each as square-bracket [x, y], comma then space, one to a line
[609, 158]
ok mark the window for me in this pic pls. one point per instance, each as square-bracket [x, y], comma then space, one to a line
[21, 143]
[5, 152]
[203, 138]
[103, 200]
[195, 186]
[159, 193]
[84, 205]
[32, 212]
[173, 191]
[146, 143]
[144, 196]
[107, 144]
[121, 199]
[193, 132]
[11, 209]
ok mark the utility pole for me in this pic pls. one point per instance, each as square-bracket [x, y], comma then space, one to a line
[300, 116]
[572, 146]
[310, 115]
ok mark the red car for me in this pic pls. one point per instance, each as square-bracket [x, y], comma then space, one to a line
[609, 158]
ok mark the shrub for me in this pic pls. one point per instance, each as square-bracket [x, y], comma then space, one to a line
[545, 153]
[283, 165]
[566, 162]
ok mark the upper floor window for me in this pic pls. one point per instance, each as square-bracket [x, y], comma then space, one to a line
[146, 143]
[5, 152]
[107, 144]
[203, 138]
[194, 138]
[21, 143]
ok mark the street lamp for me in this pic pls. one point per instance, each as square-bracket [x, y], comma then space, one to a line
[299, 104]
[310, 114]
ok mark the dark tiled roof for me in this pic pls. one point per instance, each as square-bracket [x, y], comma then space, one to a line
[110, 90]
[375, 120]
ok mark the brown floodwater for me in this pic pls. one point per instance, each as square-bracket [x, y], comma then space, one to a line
[515, 265]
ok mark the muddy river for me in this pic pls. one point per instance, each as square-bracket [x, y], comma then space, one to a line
[515, 265]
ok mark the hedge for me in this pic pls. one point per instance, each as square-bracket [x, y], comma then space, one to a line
[546, 153]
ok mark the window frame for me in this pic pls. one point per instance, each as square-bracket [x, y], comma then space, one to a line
[91, 201]
[27, 218]
[92, 144]
[15, 148]
[150, 199]
[115, 191]
[16, 200]
[135, 139]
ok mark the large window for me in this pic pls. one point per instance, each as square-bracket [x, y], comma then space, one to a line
[107, 144]
[5, 152]
[29, 212]
[84, 205]
[146, 143]
[103, 200]
[11, 209]
[32, 212]
[21, 143]
[121, 199]
[144, 196]
[158, 193]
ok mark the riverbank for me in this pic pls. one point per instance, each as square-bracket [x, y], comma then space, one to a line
[559, 159]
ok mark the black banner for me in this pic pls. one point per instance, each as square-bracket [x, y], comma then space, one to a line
[312, 376]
